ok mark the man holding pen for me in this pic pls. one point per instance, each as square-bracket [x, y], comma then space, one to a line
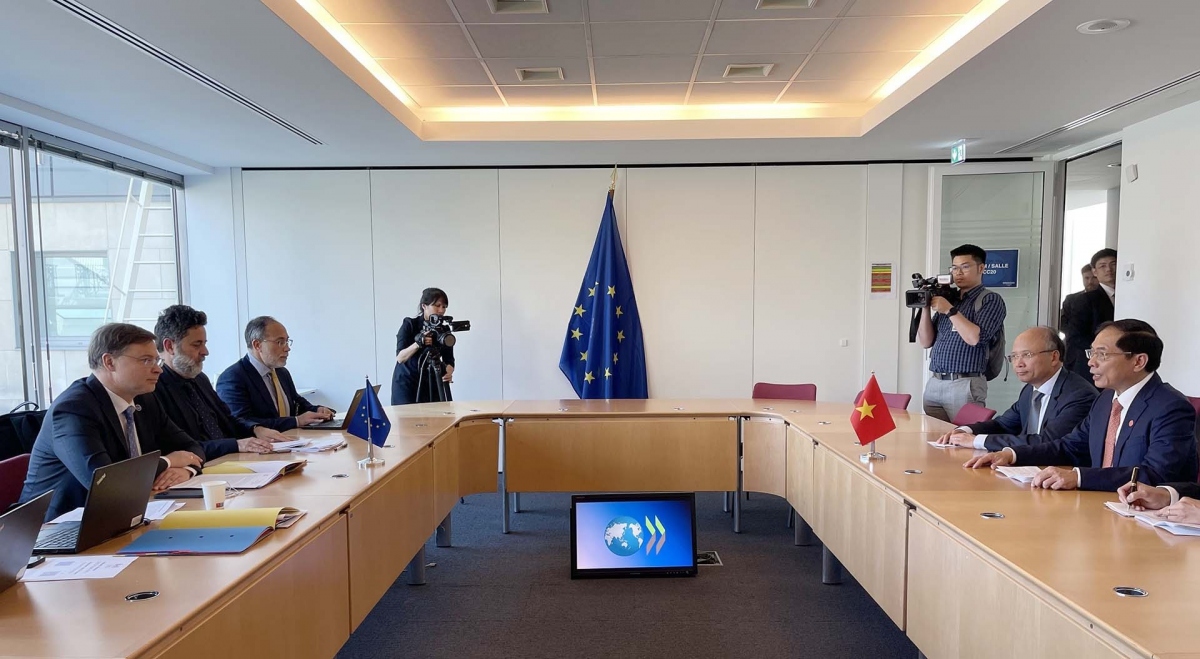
[1174, 502]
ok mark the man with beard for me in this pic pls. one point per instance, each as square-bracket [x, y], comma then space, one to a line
[187, 395]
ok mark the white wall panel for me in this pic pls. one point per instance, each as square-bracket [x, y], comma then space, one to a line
[913, 258]
[880, 342]
[210, 227]
[691, 252]
[809, 277]
[548, 224]
[439, 228]
[308, 264]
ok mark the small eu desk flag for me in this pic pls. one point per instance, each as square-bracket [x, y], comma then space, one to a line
[602, 354]
[370, 422]
[871, 417]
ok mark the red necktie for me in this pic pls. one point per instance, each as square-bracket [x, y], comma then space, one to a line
[1114, 428]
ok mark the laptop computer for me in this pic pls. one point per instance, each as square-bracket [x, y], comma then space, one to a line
[115, 504]
[342, 423]
[18, 531]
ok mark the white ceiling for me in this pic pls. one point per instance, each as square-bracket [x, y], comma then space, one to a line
[61, 75]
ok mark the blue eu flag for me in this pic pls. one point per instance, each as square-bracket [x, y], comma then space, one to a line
[370, 416]
[602, 355]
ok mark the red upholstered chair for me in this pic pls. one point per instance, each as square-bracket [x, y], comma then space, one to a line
[785, 391]
[12, 479]
[894, 401]
[972, 413]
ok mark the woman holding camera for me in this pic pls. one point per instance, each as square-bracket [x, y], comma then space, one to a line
[419, 376]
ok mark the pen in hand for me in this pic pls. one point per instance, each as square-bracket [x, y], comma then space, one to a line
[1133, 482]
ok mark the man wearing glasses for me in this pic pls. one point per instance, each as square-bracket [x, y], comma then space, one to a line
[961, 336]
[1138, 422]
[108, 417]
[259, 390]
[1052, 403]
[1091, 310]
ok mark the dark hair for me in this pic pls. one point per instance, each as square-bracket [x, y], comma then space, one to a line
[1053, 341]
[113, 339]
[1103, 254]
[973, 251]
[174, 323]
[256, 329]
[1139, 338]
[1087, 267]
[431, 296]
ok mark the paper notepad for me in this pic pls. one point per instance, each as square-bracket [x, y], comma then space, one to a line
[201, 532]
[1019, 474]
[1149, 519]
[321, 445]
[243, 475]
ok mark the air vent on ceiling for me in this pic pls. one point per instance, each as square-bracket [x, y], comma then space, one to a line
[547, 74]
[103, 23]
[748, 70]
[786, 4]
[518, 6]
[1100, 114]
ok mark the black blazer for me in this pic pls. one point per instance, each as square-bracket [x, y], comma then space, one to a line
[172, 395]
[246, 394]
[1081, 318]
[1068, 404]
[82, 433]
[1158, 436]
[1191, 489]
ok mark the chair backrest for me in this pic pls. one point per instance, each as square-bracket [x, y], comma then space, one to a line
[18, 430]
[972, 413]
[12, 479]
[785, 391]
[894, 401]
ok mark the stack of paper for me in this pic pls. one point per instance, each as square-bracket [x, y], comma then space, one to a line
[228, 531]
[1019, 474]
[284, 447]
[321, 445]
[1174, 528]
[155, 510]
[243, 475]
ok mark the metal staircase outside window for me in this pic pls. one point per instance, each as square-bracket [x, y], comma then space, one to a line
[139, 282]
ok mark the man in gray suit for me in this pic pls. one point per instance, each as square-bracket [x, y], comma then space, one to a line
[1052, 403]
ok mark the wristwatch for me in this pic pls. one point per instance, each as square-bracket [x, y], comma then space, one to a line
[952, 312]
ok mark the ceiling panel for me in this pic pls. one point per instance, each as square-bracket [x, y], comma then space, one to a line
[830, 91]
[712, 67]
[911, 7]
[644, 69]
[529, 40]
[477, 11]
[410, 40]
[575, 71]
[649, 10]
[450, 96]
[389, 11]
[746, 9]
[862, 35]
[410, 71]
[778, 36]
[551, 95]
[672, 38]
[671, 94]
[705, 93]
[854, 66]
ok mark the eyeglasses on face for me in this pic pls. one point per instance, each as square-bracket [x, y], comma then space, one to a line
[146, 362]
[1104, 355]
[1025, 356]
[281, 342]
[964, 268]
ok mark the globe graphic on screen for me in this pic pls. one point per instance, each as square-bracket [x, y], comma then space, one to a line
[623, 536]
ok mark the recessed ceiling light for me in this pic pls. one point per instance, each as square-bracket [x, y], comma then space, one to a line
[747, 70]
[1103, 26]
[786, 4]
[1113, 164]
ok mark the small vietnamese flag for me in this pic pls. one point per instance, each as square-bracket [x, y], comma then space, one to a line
[871, 418]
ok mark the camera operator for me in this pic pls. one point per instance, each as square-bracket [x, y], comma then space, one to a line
[413, 347]
[960, 336]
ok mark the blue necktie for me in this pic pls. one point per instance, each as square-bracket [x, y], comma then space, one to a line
[131, 433]
[1035, 421]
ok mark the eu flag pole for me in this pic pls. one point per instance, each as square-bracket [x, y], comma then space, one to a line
[371, 423]
[603, 355]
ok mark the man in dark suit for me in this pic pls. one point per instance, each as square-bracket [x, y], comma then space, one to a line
[1073, 299]
[187, 395]
[1052, 403]
[1084, 317]
[1139, 421]
[105, 418]
[1174, 502]
[259, 390]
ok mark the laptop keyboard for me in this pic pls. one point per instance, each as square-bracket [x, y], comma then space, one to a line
[58, 539]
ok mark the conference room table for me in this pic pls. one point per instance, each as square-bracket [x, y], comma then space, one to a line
[966, 562]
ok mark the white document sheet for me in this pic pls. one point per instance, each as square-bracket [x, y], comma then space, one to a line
[67, 568]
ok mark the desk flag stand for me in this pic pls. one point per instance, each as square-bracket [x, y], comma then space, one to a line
[871, 419]
[370, 460]
[871, 454]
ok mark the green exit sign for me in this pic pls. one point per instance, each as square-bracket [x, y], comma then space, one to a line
[958, 152]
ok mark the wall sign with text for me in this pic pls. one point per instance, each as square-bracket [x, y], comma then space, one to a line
[1000, 270]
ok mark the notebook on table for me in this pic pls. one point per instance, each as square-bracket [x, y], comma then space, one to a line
[202, 532]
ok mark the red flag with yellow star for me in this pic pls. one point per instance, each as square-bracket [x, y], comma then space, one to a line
[871, 418]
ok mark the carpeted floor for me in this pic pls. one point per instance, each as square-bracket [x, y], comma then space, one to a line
[495, 595]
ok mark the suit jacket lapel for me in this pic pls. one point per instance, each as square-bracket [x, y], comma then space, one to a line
[1139, 405]
[116, 435]
[259, 385]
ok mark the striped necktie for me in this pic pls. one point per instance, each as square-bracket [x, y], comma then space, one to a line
[131, 441]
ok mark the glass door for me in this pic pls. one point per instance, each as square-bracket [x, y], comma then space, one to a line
[13, 389]
[1008, 210]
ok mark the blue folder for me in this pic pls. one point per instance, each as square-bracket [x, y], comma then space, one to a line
[195, 542]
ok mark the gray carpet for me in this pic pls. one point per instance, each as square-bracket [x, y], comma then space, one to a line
[495, 595]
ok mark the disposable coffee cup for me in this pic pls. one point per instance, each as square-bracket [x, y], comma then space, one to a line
[214, 495]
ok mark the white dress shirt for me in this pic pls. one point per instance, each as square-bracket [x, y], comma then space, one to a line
[264, 372]
[120, 405]
[1112, 293]
[1046, 389]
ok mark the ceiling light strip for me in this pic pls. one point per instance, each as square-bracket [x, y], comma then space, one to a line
[712, 21]
[475, 49]
[587, 40]
[1100, 114]
[103, 23]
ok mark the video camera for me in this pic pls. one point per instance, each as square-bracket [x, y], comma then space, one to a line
[927, 288]
[441, 328]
